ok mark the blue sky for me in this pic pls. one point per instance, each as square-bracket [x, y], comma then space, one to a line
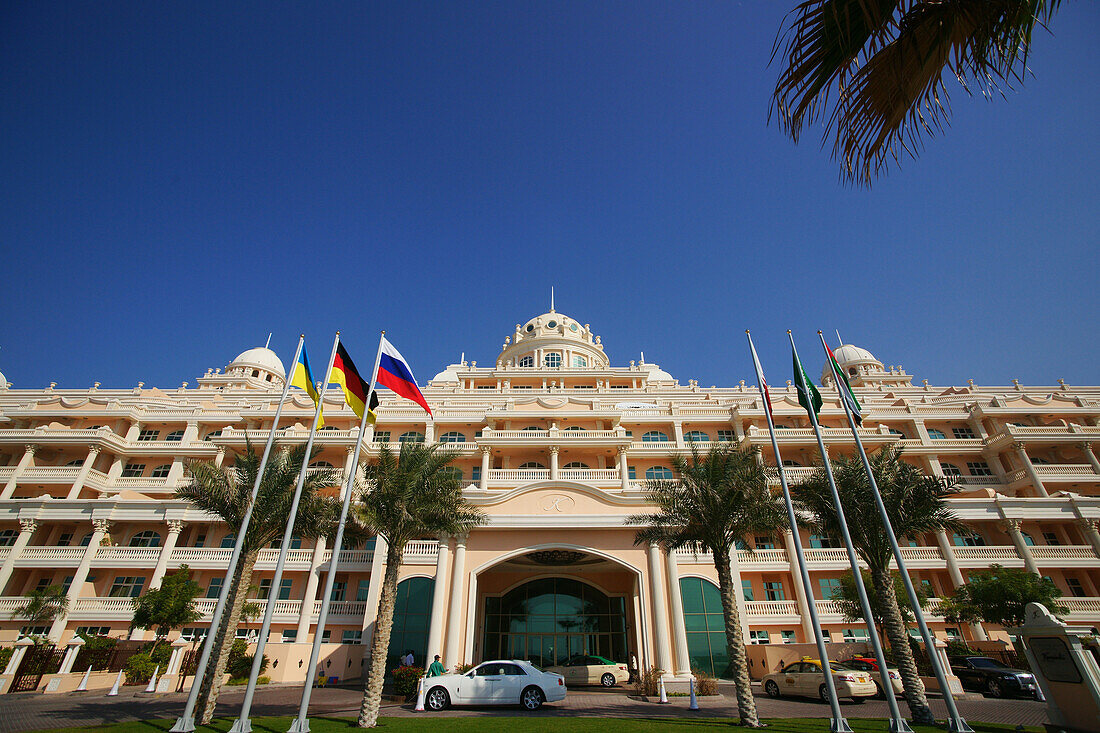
[179, 180]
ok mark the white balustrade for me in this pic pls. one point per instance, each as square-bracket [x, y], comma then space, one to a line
[421, 551]
[987, 553]
[1057, 470]
[126, 555]
[771, 609]
[41, 554]
[518, 475]
[590, 474]
[201, 556]
[1063, 552]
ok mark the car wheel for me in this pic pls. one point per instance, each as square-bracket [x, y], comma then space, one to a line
[531, 698]
[608, 680]
[437, 699]
[859, 700]
[995, 689]
[771, 688]
[823, 693]
[878, 692]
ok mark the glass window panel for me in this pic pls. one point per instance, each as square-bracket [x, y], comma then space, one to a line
[691, 591]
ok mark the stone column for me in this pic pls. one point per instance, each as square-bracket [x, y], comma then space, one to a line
[439, 599]
[1087, 527]
[313, 579]
[1012, 527]
[26, 530]
[349, 455]
[71, 650]
[483, 484]
[134, 431]
[624, 469]
[554, 462]
[191, 432]
[374, 589]
[739, 593]
[24, 462]
[1086, 448]
[219, 457]
[955, 574]
[679, 630]
[14, 662]
[678, 433]
[454, 613]
[174, 529]
[660, 612]
[100, 527]
[85, 469]
[799, 589]
[429, 432]
[1037, 482]
[175, 662]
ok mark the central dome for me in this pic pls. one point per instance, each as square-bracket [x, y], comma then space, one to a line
[553, 340]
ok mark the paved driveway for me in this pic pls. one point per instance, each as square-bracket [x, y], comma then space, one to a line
[34, 711]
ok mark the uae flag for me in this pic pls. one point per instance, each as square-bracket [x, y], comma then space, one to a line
[844, 388]
[808, 396]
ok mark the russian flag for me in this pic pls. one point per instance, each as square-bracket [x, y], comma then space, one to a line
[394, 373]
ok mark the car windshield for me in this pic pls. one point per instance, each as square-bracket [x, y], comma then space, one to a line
[986, 663]
[839, 666]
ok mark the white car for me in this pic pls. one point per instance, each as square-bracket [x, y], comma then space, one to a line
[499, 682]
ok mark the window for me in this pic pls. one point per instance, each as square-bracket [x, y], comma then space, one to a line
[93, 630]
[1037, 461]
[382, 436]
[161, 471]
[1075, 587]
[533, 428]
[1050, 538]
[927, 587]
[321, 464]
[148, 538]
[43, 583]
[290, 636]
[527, 361]
[352, 636]
[576, 464]
[486, 386]
[658, 472]
[936, 434]
[127, 586]
[579, 361]
[950, 469]
[632, 473]
[791, 464]
[133, 470]
[894, 431]
[229, 540]
[763, 542]
[339, 590]
[212, 435]
[327, 635]
[215, 588]
[285, 586]
[851, 635]
[820, 541]
[191, 634]
[968, 539]
[759, 637]
[328, 427]
[86, 540]
[697, 436]
[411, 437]
[7, 537]
[789, 637]
[552, 360]
[175, 436]
[34, 631]
[411, 616]
[362, 590]
[452, 472]
[452, 437]
[475, 473]
[727, 436]
[264, 591]
[830, 588]
[705, 628]
[963, 433]
[147, 435]
[295, 543]
[75, 462]
[979, 468]
[532, 464]
[654, 436]
[575, 429]
[65, 539]
[200, 541]
[773, 591]
[746, 589]
[952, 634]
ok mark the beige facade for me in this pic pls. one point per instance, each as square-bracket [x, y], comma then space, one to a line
[555, 445]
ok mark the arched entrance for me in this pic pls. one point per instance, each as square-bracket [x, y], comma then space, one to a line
[411, 613]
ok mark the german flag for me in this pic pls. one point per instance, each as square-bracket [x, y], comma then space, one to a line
[355, 388]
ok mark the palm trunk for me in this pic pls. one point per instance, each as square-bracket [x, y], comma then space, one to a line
[380, 644]
[226, 632]
[899, 642]
[735, 642]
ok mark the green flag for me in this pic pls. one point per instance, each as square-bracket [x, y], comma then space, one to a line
[808, 396]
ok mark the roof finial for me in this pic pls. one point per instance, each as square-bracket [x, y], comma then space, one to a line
[268, 340]
[838, 338]
[552, 299]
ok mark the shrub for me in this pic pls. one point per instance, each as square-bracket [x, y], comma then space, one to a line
[704, 683]
[241, 666]
[244, 680]
[160, 653]
[139, 668]
[405, 680]
[958, 647]
[463, 668]
[5, 655]
[649, 682]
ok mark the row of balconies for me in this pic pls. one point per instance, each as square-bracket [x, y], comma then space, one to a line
[121, 609]
[786, 612]
[916, 558]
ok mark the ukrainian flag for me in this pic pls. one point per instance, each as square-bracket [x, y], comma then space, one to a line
[303, 378]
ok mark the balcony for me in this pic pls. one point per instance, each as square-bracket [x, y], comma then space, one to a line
[1056, 472]
[126, 557]
[34, 556]
[984, 556]
[772, 612]
[1065, 555]
[1044, 434]
[553, 437]
[511, 477]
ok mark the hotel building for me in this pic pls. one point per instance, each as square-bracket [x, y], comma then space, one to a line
[555, 445]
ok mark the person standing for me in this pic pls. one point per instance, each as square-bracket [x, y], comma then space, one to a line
[437, 668]
[409, 660]
[633, 669]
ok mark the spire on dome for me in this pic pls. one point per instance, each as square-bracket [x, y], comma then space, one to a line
[551, 298]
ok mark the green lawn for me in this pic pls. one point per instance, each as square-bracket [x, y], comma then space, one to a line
[553, 725]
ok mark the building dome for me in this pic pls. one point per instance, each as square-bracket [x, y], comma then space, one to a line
[555, 340]
[258, 358]
[446, 376]
[3, 381]
[855, 362]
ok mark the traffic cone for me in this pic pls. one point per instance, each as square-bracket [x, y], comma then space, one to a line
[152, 686]
[664, 695]
[694, 703]
[420, 696]
[118, 683]
[83, 686]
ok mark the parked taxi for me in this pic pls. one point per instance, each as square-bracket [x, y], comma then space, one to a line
[805, 678]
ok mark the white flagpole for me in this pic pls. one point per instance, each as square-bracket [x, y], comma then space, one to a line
[838, 723]
[898, 724]
[243, 724]
[301, 723]
[186, 722]
[955, 722]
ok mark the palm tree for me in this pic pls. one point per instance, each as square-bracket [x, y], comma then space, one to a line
[713, 503]
[407, 496]
[226, 493]
[43, 605]
[915, 503]
[873, 70]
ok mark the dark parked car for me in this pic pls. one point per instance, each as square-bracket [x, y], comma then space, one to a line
[988, 675]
